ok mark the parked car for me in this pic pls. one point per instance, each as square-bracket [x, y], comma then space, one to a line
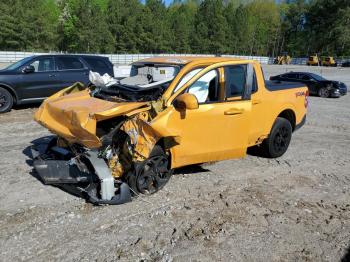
[317, 84]
[346, 64]
[34, 78]
[171, 112]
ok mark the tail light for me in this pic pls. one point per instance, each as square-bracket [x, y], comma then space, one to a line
[306, 99]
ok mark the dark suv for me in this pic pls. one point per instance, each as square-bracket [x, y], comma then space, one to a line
[34, 78]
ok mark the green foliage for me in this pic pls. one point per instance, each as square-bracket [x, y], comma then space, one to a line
[24, 27]
[210, 28]
[245, 27]
[83, 27]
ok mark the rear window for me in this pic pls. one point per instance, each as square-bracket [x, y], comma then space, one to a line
[96, 63]
[68, 63]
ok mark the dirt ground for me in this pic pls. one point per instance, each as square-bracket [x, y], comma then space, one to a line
[294, 208]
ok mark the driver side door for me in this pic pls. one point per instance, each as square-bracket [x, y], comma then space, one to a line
[218, 128]
[42, 82]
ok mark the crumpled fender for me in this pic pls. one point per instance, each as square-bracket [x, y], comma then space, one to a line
[73, 114]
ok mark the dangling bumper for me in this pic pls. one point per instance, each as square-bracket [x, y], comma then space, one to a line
[59, 166]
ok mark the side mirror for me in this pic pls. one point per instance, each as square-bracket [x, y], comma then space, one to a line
[186, 101]
[28, 69]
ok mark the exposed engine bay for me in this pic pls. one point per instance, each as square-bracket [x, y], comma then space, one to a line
[147, 82]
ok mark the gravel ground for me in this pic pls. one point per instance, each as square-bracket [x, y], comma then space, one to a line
[294, 208]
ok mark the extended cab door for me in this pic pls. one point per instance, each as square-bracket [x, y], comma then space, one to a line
[41, 83]
[71, 70]
[219, 128]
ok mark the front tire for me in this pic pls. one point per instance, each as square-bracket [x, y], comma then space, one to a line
[152, 174]
[278, 141]
[6, 100]
[323, 92]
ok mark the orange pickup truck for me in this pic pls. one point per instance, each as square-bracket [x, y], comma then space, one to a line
[114, 140]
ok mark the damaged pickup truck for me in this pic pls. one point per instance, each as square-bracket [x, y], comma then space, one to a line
[126, 138]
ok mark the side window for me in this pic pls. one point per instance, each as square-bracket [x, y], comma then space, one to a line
[68, 63]
[187, 78]
[291, 76]
[206, 87]
[235, 80]
[305, 77]
[43, 64]
[96, 63]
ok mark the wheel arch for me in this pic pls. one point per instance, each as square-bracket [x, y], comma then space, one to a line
[168, 143]
[290, 116]
[11, 91]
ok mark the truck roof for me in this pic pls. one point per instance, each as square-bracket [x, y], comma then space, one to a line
[182, 60]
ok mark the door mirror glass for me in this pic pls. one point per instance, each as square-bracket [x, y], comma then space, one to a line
[28, 69]
[186, 101]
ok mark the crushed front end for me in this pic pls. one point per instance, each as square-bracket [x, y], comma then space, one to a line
[102, 150]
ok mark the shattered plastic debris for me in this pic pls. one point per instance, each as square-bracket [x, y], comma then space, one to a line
[101, 81]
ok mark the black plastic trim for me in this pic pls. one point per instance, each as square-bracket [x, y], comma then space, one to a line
[300, 124]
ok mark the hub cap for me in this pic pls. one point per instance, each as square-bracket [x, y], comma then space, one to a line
[3, 99]
[324, 92]
[281, 139]
[153, 175]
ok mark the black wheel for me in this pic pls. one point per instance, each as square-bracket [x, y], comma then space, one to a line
[278, 141]
[323, 92]
[6, 100]
[151, 175]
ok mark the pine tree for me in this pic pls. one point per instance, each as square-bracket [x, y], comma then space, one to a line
[83, 27]
[124, 18]
[181, 21]
[210, 28]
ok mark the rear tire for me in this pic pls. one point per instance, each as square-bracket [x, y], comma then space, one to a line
[278, 141]
[6, 100]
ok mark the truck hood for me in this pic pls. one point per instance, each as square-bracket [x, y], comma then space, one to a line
[73, 114]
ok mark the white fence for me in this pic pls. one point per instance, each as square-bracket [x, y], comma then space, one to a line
[121, 59]
[125, 59]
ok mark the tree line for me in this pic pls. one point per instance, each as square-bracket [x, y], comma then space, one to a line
[245, 27]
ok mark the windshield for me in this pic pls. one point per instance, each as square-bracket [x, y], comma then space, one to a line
[19, 63]
[146, 82]
[317, 77]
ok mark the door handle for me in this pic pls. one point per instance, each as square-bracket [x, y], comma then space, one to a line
[256, 101]
[52, 75]
[234, 111]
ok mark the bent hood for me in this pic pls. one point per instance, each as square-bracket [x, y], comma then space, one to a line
[73, 114]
